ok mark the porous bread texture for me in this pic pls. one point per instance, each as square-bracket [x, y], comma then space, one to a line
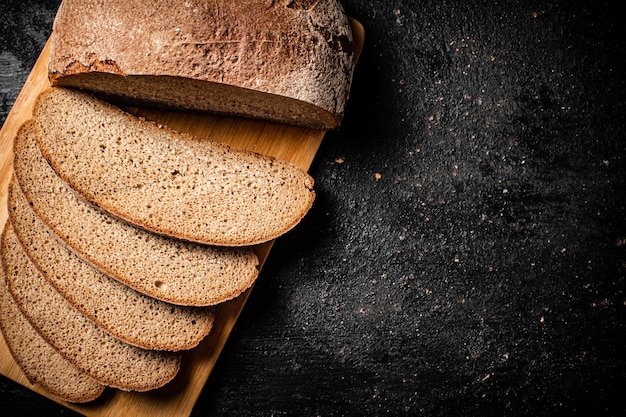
[287, 61]
[168, 269]
[42, 365]
[122, 312]
[166, 182]
[93, 351]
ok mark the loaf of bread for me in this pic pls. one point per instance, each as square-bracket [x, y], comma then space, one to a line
[168, 269]
[166, 182]
[282, 60]
[119, 310]
[41, 363]
[93, 351]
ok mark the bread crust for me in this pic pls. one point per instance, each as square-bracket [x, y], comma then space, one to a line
[290, 51]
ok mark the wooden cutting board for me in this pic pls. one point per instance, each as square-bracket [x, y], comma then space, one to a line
[293, 144]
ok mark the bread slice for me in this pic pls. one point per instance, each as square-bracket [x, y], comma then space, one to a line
[287, 61]
[168, 269]
[84, 344]
[166, 182]
[119, 310]
[42, 365]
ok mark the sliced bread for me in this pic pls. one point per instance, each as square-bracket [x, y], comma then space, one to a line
[118, 309]
[41, 363]
[168, 269]
[84, 344]
[288, 61]
[167, 182]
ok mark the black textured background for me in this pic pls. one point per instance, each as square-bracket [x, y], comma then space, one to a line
[466, 254]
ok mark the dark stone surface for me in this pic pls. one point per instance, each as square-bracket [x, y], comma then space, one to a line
[466, 254]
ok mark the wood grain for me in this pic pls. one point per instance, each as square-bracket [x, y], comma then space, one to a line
[293, 144]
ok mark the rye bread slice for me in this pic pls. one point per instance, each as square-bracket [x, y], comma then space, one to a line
[121, 311]
[167, 182]
[41, 363]
[93, 351]
[168, 269]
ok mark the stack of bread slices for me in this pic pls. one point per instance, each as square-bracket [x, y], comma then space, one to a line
[123, 235]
